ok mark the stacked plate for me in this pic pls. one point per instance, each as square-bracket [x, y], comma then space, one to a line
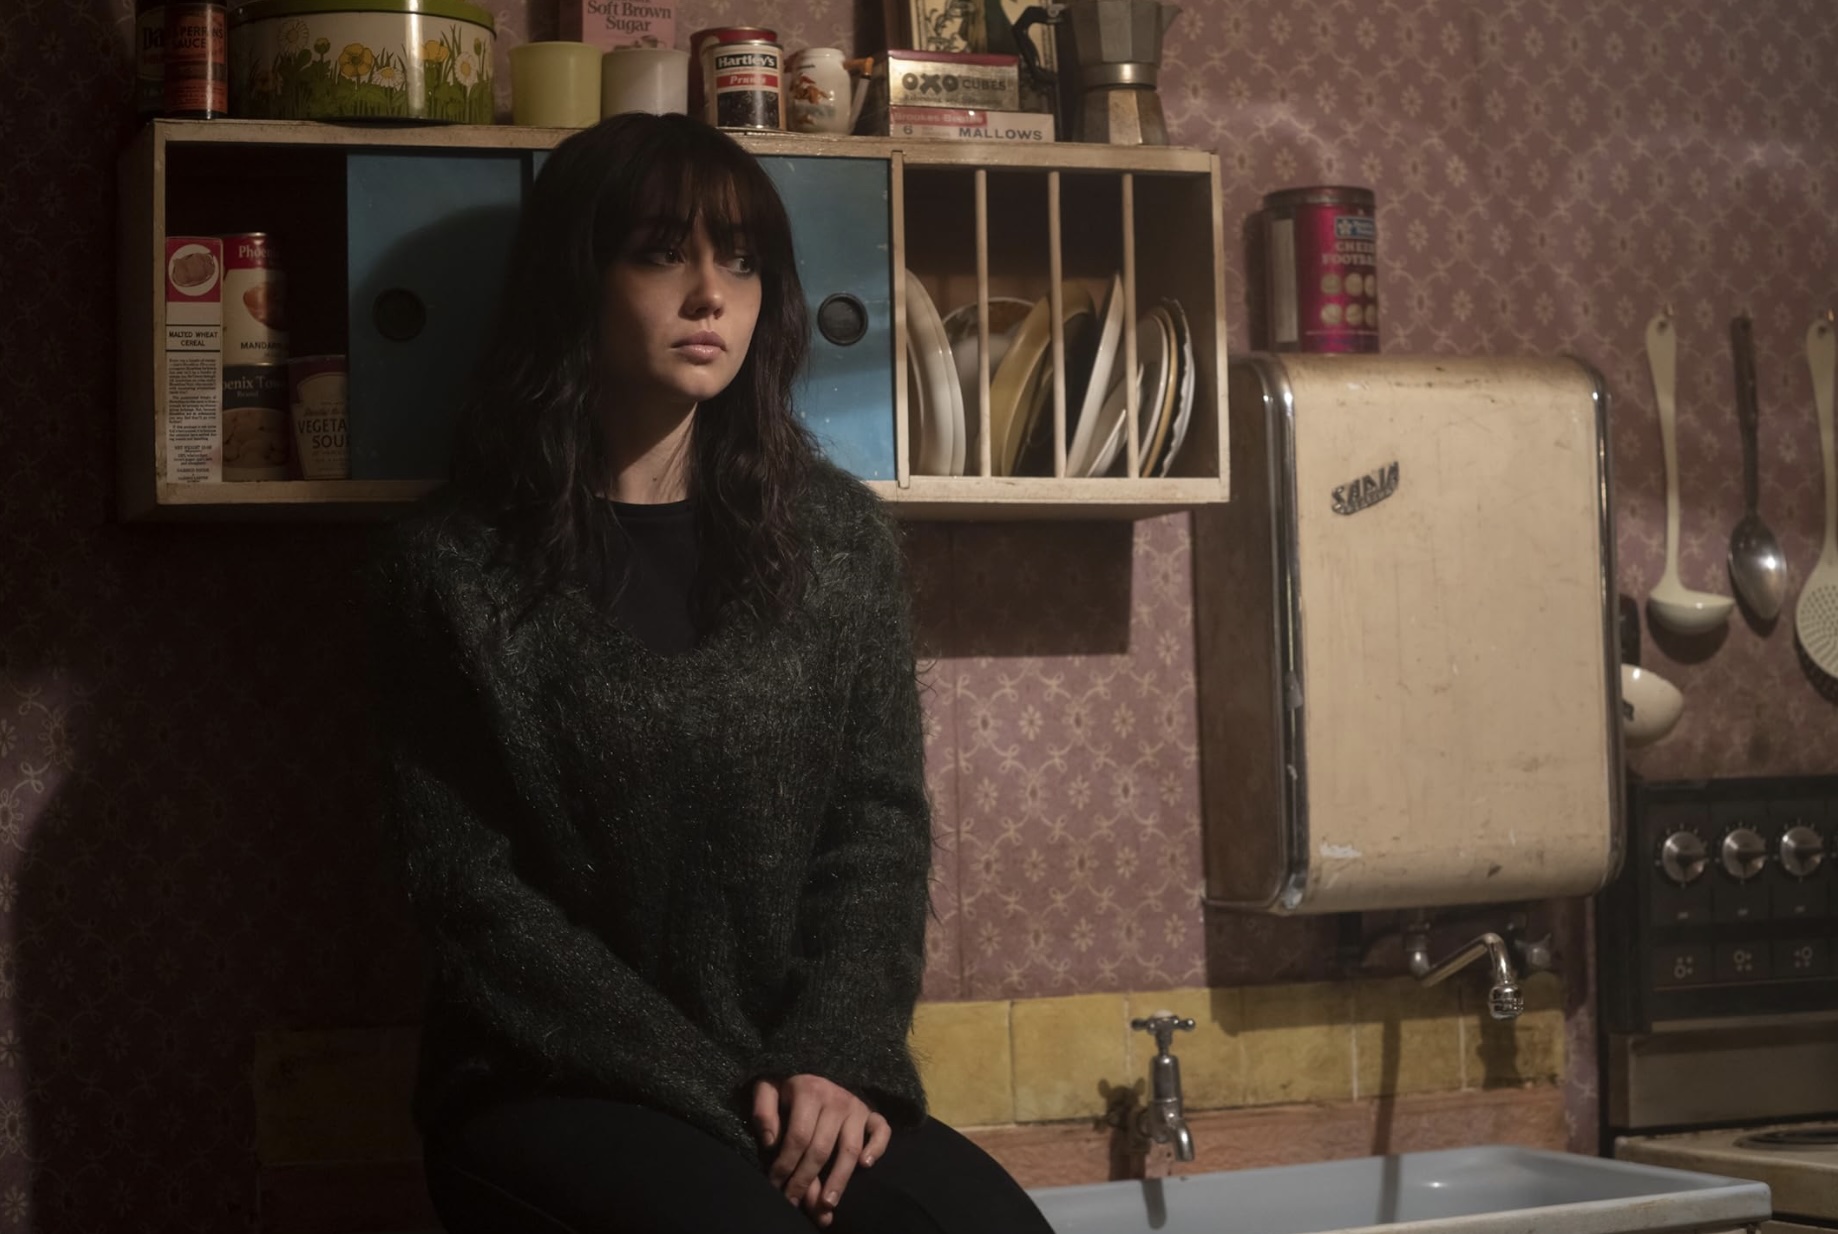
[942, 382]
[1021, 392]
[1005, 317]
[1164, 383]
[936, 441]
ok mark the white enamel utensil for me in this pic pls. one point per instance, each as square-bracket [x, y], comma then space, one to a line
[1672, 604]
[1650, 705]
[1816, 618]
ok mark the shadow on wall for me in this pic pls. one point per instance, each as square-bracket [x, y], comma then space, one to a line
[1007, 590]
[204, 869]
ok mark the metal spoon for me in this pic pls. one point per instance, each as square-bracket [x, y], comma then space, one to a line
[1757, 566]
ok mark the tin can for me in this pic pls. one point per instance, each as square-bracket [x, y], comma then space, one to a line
[1321, 260]
[255, 445]
[254, 300]
[319, 406]
[196, 62]
[698, 97]
[389, 61]
[149, 56]
[742, 81]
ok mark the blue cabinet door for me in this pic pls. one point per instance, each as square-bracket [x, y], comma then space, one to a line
[429, 239]
[841, 226]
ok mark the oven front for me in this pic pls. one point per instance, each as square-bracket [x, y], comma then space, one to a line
[1719, 992]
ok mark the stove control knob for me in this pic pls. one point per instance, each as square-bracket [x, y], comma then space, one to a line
[1743, 853]
[1682, 857]
[1802, 849]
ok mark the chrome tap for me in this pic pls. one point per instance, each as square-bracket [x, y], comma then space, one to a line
[1163, 1120]
[1504, 999]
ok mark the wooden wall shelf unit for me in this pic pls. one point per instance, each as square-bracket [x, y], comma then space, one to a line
[971, 220]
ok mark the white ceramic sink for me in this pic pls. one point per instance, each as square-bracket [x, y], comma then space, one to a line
[1485, 1190]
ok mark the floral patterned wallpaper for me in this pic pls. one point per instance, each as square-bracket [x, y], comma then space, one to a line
[185, 853]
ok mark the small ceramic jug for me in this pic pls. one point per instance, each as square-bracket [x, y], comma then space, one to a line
[817, 92]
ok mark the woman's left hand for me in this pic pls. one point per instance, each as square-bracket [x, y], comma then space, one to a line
[822, 1123]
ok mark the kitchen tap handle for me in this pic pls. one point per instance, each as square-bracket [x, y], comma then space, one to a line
[1163, 1024]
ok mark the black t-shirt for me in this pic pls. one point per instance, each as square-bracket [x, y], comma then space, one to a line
[646, 586]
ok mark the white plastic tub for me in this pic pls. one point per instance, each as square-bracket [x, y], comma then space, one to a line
[1484, 1190]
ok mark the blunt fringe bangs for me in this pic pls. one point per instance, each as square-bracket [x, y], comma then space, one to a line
[528, 453]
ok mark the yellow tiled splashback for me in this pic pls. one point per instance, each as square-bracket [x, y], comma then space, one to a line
[1045, 1059]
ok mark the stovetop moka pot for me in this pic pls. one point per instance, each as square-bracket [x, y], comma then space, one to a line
[1109, 55]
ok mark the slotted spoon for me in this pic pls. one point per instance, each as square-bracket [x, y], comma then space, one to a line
[1816, 618]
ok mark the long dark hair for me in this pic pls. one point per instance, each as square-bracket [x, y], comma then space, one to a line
[529, 450]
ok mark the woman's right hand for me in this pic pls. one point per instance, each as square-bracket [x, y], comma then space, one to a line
[821, 1124]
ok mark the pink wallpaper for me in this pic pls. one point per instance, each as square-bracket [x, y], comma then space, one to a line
[184, 850]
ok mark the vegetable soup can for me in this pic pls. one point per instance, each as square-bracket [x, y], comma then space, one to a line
[1321, 262]
[254, 300]
[319, 413]
[255, 422]
[742, 82]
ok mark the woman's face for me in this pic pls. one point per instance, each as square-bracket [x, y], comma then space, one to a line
[675, 321]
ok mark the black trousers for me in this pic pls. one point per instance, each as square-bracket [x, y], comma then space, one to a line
[554, 1165]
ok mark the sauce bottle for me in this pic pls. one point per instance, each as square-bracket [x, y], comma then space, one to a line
[197, 61]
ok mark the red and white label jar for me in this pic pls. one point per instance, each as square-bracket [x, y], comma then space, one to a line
[254, 300]
[1321, 262]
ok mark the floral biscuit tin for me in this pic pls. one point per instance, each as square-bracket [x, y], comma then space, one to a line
[362, 60]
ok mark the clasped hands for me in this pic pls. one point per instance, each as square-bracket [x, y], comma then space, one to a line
[815, 1123]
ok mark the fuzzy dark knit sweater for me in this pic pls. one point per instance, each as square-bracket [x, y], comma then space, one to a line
[657, 878]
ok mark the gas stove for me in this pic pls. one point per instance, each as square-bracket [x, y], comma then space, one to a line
[1798, 1161]
[1813, 1138]
[1719, 988]
[1724, 906]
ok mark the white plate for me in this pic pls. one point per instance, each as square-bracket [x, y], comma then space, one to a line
[1005, 317]
[1034, 455]
[1018, 391]
[1154, 357]
[929, 358]
[1110, 335]
[1183, 407]
[921, 453]
[1155, 427]
[1110, 421]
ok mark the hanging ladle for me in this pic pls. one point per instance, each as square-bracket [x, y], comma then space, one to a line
[1757, 566]
[1671, 603]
